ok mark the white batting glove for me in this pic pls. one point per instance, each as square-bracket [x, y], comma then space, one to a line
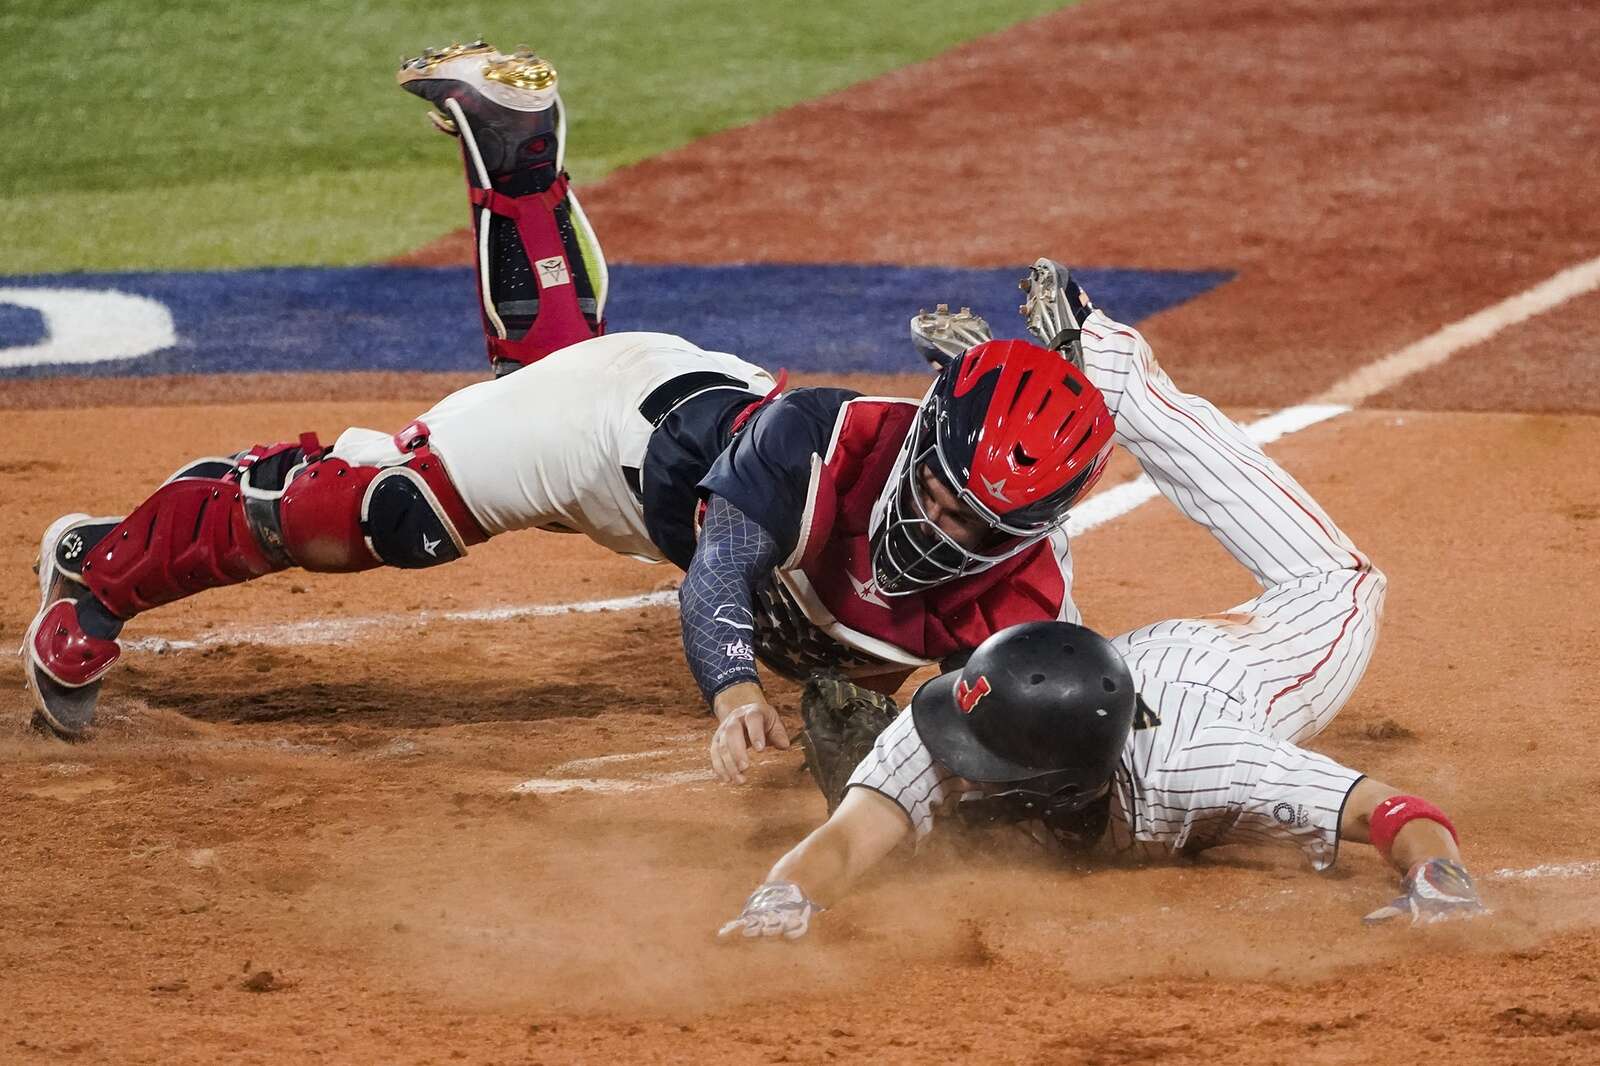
[1437, 890]
[777, 908]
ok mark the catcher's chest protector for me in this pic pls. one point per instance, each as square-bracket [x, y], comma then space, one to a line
[822, 611]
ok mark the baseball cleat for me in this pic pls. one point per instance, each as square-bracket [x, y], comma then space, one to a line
[1055, 308]
[508, 103]
[941, 337]
[62, 664]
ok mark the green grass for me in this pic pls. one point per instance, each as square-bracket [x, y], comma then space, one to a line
[193, 134]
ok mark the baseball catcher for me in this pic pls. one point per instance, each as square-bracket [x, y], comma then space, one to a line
[820, 530]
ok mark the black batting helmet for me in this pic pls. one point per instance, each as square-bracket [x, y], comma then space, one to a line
[1045, 707]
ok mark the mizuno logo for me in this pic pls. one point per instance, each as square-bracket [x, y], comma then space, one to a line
[430, 546]
[997, 489]
[866, 591]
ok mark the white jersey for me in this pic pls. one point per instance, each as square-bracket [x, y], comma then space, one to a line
[1233, 691]
[548, 447]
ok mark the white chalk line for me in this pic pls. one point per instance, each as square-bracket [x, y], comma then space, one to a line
[544, 786]
[1559, 870]
[1362, 384]
[598, 761]
[342, 630]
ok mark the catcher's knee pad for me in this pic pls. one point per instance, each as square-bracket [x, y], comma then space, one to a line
[341, 518]
[192, 534]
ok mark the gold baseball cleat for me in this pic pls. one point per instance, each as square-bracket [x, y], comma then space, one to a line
[521, 70]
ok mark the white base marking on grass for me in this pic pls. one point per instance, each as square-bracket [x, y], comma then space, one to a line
[1364, 383]
[89, 326]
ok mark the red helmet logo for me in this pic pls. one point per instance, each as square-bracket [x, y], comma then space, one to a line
[967, 696]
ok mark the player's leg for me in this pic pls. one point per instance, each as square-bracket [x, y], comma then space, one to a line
[1295, 653]
[221, 521]
[541, 275]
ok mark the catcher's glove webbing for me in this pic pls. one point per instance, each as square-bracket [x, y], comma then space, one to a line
[842, 720]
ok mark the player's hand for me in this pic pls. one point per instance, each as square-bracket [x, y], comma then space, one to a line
[748, 723]
[1434, 891]
[777, 908]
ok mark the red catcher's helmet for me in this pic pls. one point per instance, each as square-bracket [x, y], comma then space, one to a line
[1014, 430]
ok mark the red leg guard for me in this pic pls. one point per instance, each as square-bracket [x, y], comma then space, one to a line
[191, 535]
[68, 655]
[198, 533]
[554, 260]
[427, 464]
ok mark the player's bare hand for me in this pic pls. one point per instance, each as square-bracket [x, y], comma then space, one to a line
[777, 908]
[748, 724]
[1434, 891]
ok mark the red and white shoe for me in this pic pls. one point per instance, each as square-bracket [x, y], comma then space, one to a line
[62, 664]
[542, 277]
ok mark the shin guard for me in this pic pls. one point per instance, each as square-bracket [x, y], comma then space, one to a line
[190, 535]
[534, 282]
[220, 522]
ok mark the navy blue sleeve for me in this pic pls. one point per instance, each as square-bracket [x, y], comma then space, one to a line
[766, 471]
[714, 604]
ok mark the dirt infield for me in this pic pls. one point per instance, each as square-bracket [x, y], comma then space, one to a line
[294, 842]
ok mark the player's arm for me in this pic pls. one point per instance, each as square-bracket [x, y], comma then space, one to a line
[823, 867]
[733, 555]
[1419, 840]
[1284, 793]
[895, 790]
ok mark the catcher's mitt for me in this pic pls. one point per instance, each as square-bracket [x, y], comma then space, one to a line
[841, 722]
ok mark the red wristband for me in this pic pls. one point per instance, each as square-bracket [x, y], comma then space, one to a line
[1391, 816]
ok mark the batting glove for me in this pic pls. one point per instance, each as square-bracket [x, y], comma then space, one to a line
[777, 908]
[1434, 891]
